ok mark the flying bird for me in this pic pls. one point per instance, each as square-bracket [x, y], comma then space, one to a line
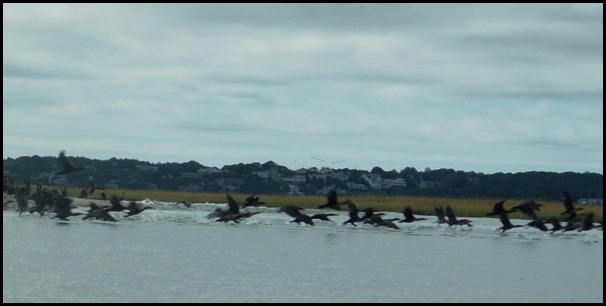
[332, 201]
[452, 219]
[353, 215]
[408, 216]
[441, 215]
[135, 209]
[67, 166]
[296, 213]
[506, 223]
[528, 208]
[498, 209]
[252, 201]
[568, 206]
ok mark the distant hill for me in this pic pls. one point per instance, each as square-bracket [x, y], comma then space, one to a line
[271, 178]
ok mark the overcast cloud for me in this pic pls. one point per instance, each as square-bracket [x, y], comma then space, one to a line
[481, 87]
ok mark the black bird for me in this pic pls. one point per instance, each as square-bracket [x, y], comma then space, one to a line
[440, 214]
[353, 215]
[135, 209]
[67, 166]
[233, 211]
[506, 223]
[332, 201]
[538, 223]
[296, 213]
[452, 219]
[116, 206]
[98, 213]
[498, 209]
[236, 217]
[586, 222]
[376, 220]
[22, 196]
[252, 201]
[408, 216]
[556, 224]
[528, 208]
[63, 208]
[369, 213]
[323, 217]
[568, 206]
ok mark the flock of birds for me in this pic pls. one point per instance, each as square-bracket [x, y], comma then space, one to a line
[56, 201]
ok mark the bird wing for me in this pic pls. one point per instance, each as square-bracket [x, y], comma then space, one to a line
[64, 162]
[332, 197]
[234, 208]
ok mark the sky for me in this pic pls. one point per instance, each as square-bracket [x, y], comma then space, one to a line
[486, 88]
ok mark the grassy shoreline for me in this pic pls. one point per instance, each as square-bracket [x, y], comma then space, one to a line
[420, 205]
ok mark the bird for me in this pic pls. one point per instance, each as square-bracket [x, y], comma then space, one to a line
[252, 201]
[369, 213]
[323, 217]
[568, 206]
[98, 213]
[296, 213]
[353, 215]
[67, 166]
[506, 223]
[440, 214]
[377, 220]
[22, 196]
[498, 209]
[452, 219]
[332, 201]
[408, 216]
[232, 213]
[135, 209]
[528, 208]
[586, 222]
[538, 223]
[63, 208]
[556, 224]
[116, 205]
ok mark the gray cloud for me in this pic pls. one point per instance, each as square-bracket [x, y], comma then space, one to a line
[478, 87]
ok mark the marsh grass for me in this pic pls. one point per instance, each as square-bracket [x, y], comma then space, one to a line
[420, 205]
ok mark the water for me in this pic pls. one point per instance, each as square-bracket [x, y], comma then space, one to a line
[178, 255]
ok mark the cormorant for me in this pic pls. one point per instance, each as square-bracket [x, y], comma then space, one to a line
[586, 222]
[233, 211]
[556, 224]
[408, 216]
[528, 208]
[135, 209]
[98, 213]
[252, 201]
[353, 215]
[323, 217]
[116, 206]
[332, 201]
[440, 214]
[452, 219]
[370, 213]
[538, 223]
[296, 213]
[506, 223]
[498, 209]
[63, 208]
[67, 166]
[568, 206]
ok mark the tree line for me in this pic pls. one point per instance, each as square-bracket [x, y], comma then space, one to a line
[135, 174]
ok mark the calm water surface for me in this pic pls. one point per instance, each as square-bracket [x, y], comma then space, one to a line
[173, 255]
